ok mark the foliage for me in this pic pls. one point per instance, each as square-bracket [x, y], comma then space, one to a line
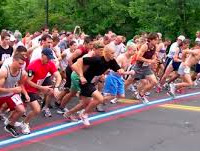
[125, 17]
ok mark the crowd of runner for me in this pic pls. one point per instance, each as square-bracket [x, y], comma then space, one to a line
[57, 66]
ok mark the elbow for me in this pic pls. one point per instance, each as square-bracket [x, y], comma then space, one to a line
[73, 67]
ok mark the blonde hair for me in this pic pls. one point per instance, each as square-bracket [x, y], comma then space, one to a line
[108, 48]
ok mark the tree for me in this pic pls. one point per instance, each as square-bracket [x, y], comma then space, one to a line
[166, 16]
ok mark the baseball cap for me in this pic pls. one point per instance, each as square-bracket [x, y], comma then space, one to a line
[48, 52]
[181, 37]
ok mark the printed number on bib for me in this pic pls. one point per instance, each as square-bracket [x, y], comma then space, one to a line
[4, 56]
[16, 99]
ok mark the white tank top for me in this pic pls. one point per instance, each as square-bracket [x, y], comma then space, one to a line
[10, 82]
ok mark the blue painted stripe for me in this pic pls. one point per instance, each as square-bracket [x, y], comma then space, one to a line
[72, 124]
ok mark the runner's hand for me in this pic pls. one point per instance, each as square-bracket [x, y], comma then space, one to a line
[83, 80]
[27, 98]
[47, 89]
[120, 71]
[16, 90]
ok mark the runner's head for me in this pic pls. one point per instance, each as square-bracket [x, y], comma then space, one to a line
[46, 41]
[88, 43]
[198, 34]
[153, 38]
[5, 38]
[119, 40]
[109, 52]
[55, 32]
[98, 48]
[185, 44]
[167, 42]
[21, 50]
[47, 54]
[18, 61]
[55, 40]
[45, 30]
[180, 39]
[131, 49]
[197, 45]
[72, 46]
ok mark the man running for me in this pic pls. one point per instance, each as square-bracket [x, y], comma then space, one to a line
[96, 67]
[184, 69]
[10, 76]
[146, 57]
[37, 72]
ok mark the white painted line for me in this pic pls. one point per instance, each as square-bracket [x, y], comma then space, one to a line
[59, 127]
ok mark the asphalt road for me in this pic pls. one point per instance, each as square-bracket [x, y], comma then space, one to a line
[164, 124]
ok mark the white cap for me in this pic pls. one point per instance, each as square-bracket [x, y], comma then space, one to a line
[181, 37]
[159, 35]
[12, 38]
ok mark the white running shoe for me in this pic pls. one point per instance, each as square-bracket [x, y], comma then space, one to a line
[17, 124]
[172, 88]
[84, 118]
[147, 94]
[144, 100]
[113, 101]
[47, 112]
[195, 83]
[25, 128]
[70, 117]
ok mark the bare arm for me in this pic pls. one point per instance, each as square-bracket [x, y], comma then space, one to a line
[58, 79]
[193, 52]
[159, 47]
[78, 67]
[73, 56]
[176, 58]
[3, 76]
[141, 52]
[33, 84]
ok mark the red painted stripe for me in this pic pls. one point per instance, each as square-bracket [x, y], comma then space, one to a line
[44, 125]
[70, 130]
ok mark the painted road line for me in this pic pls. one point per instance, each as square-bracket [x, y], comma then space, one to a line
[71, 124]
[128, 101]
[181, 107]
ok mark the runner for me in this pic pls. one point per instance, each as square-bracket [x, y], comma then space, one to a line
[5, 50]
[75, 87]
[96, 67]
[175, 63]
[37, 71]
[172, 48]
[114, 83]
[184, 69]
[11, 76]
[146, 57]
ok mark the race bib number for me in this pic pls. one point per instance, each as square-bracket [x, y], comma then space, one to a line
[180, 55]
[16, 99]
[4, 56]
